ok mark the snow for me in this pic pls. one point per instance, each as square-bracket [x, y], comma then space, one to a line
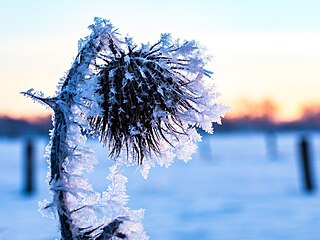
[233, 188]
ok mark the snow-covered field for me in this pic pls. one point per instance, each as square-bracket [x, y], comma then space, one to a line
[234, 188]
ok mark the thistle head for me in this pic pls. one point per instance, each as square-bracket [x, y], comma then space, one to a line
[145, 91]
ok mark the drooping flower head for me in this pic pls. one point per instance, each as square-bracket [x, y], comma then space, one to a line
[151, 92]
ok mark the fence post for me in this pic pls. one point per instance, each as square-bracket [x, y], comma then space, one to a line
[309, 185]
[29, 167]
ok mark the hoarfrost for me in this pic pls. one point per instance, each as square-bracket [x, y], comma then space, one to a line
[143, 103]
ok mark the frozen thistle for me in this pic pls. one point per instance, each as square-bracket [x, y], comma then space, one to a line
[148, 93]
[143, 103]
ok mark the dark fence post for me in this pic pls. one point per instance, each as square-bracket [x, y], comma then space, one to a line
[309, 185]
[29, 167]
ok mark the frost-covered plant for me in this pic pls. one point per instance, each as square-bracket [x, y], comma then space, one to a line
[144, 104]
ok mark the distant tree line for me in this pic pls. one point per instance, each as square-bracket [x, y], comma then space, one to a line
[241, 123]
[261, 116]
[11, 127]
[250, 117]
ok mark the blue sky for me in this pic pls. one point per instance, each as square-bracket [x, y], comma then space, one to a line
[260, 48]
[36, 17]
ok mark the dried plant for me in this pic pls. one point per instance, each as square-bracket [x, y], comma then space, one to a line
[143, 103]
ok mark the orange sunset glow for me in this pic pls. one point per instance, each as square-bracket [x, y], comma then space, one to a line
[257, 52]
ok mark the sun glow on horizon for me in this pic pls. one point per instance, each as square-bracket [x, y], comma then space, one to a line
[259, 51]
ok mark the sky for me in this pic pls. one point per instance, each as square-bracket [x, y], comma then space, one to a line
[260, 49]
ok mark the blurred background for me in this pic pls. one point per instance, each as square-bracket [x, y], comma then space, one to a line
[248, 180]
